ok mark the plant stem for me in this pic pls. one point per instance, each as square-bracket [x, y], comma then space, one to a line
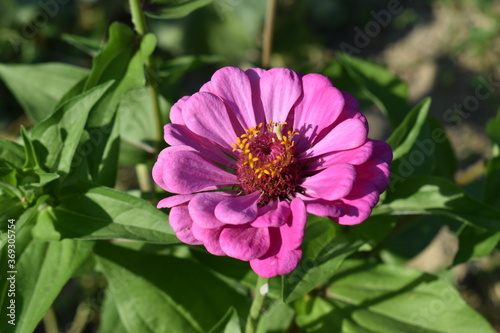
[256, 307]
[267, 38]
[138, 18]
[50, 321]
[139, 21]
[80, 321]
[144, 178]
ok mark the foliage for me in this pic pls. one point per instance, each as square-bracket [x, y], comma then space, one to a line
[57, 186]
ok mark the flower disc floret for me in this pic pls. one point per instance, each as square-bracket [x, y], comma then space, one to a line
[268, 162]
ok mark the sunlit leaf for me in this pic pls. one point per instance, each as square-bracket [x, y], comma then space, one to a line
[475, 243]
[324, 250]
[142, 284]
[110, 319]
[57, 137]
[170, 9]
[12, 153]
[42, 269]
[404, 136]
[104, 213]
[32, 87]
[388, 299]
[438, 196]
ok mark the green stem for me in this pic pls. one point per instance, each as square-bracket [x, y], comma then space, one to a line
[138, 18]
[50, 321]
[144, 178]
[139, 21]
[267, 38]
[255, 310]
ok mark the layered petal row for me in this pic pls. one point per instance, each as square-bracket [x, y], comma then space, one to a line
[253, 152]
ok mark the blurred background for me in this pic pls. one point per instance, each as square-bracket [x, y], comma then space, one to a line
[449, 50]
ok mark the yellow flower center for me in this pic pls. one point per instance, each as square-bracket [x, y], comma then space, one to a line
[268, 161]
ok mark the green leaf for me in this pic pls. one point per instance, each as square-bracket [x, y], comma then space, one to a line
[405, 135]
[492, 182]
[31, 159]
[377, 84]
[174, 70]
[38, 88]
[324, 250]
[56, 138]
[413, 235]
[109, 64]
[12, 153]
[88, 45]
[44, 178]
[109, 317]
[76, 90]
[277, 318]
[389, 299]
[475, 243]
[121, 60]
[43, 268]
[171, 9]
[104, 213]
[493, 129]
[445, 162]
[438, 196]
[8, 177]
[230, 267]
[47, 266]
[230, 323]
[108, 167]
[12, 208]
[138, 143]
[142, 284]
[372, 231]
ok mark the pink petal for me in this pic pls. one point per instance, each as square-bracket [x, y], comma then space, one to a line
[238, 210]
[280, 88]
[346, 135]
[254, 75]
[180, 135]
[324, 208]
[355, 156]
[282, 263]
[176, 111]
[160, 168]
[181, 224]
[382, 151]
[174, 200]
[350, 111]
[332, 183]
[317, 110]
[233, 86]
[202, 207]
[274, 217]
[245, 243]
[376, 169]
[359, 203]
[209, 238]
[206, 115]
[293, 232]
[186, 172]
[285, 253]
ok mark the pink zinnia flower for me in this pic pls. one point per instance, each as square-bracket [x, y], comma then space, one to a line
[254, 151]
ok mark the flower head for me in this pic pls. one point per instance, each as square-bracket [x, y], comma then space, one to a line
[254, 151]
